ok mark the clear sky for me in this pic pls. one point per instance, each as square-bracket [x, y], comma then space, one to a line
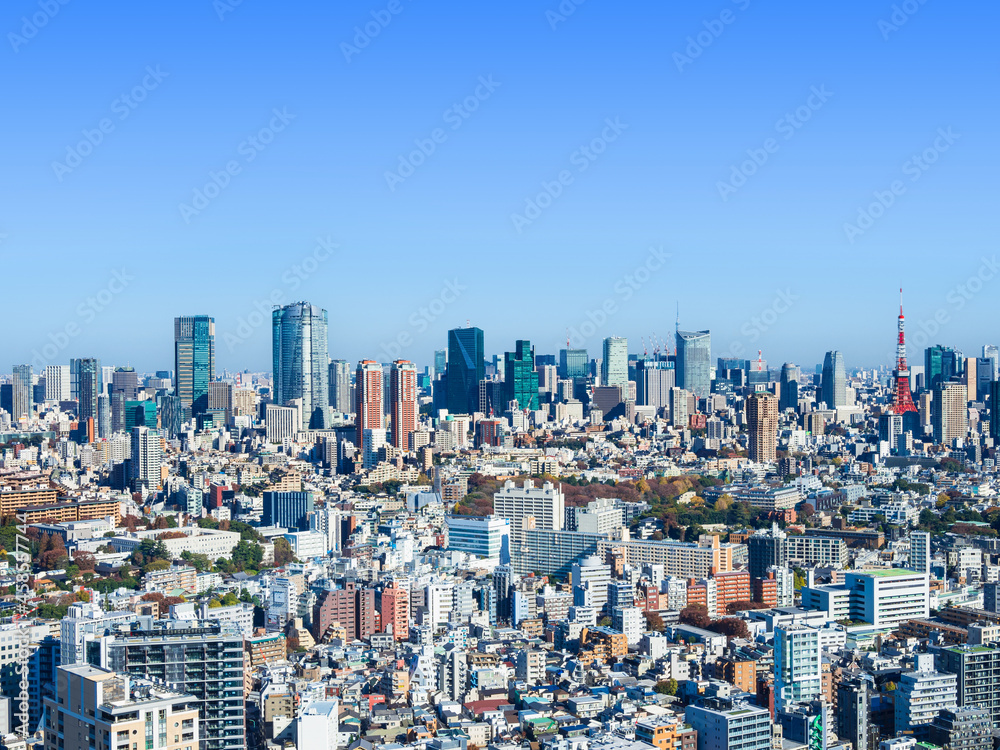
[740, 140]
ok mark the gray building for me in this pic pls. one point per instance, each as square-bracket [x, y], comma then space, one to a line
[834, 390]
[694, 358]
[300, 361]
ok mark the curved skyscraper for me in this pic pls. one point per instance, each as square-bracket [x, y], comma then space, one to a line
[694, 362]
[789, 387]
[299, 348]
[834, 381]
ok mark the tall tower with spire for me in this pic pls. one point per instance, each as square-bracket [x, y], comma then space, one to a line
[902, 400]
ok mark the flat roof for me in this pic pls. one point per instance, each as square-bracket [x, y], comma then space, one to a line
[887, 572]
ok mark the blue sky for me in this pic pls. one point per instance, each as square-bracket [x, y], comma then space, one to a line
[745, 136]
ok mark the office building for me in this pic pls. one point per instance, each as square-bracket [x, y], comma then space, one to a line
[573, 363]
[300, 361]
[694, 362]
[653, 381]
[949, 412]
[340, 386]
[762, 427]
[21, 399]
[766, 549]
[482, 536]
[614, 366]
[977, 674]
[788, 387]
[941, 364]
[834, 388]
[95, 707]
[797, 665]
[884, 598]
[289, 510]
[90, 379]
[57, 383]
[552, 552]
[369, 413]
[923, 693]
[728, 725]
[203, 658]
[994, 429]
[465, 369]
[280, 422]
[685, 559]
[853, 709]
[194, 360]
[403, 402]
[545, 504]
[520, 378]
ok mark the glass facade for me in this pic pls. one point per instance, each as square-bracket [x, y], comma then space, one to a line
[90, 379]
[194, 360]
[573, 363]
[834, 389]
[694, 358]
[614, 368]
[520, 378]
[465, 369]
[299, 348]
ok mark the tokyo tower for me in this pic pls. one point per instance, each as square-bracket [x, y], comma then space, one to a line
[902, 400]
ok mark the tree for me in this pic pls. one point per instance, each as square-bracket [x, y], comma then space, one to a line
[695, 615]
[654, 622]
[247, 555]
[666, 687]
[742, 606]
[733, 627]
[282, 552]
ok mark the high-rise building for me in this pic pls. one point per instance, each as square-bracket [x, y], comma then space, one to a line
[966, 728]
[949, 413]
[977, 673]
[300, 361]
[730, 726]
[789, 387]
[834, 389]
[57, 384]
[483, 536]
[403, 402]
[995, 409]
[21, 392]
[203, 658]
[653, 381]
[352, 607]
[289, 510]
[124, 387]
[147, 455]
[465, 369]
[797, 665]
[766, 549]
[992, 353]
[694, 358]
[545, 504]
[762, 427]
[92, 702]
[573, 363]
[920, 552]
[440, 362]
[984, 376]
[369, 414]
[194, 360]
[853, 708]
[941, 363]
[614, 366]
[520, 378]
[340, 386]
[921, 694]
[90, 386]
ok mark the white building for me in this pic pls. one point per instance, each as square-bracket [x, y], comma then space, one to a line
[308, 544]
[57, 385]
[883, 598]
[591, 578]
[797, 665]
[630, 621]
[546, 504]
[922, 693]
[317, 726]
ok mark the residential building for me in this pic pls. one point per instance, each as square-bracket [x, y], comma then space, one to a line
[403, 401]
[923, 693]
[762, 427]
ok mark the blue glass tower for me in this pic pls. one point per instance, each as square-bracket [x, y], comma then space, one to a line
[694, 357]
[194, 360]
[299, 348]
[465, 369]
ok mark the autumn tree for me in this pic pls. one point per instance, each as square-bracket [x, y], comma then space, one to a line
[654, 622]
[695, 615]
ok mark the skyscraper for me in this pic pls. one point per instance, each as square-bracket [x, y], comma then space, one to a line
[194, 360]
[21, 400]
[147, 455]
[941, 363]
[403, 402]
[789, 387]
[992, 353]
[340, 386]
[834, 391]
[614, 366]
[124, 387]
[465, 369]
[89, 378]
[797, 665]
[520, 378]
[299, 349]
[57, 385]
[694, 357]
[949, 415]
[440, 362]
[762, 427]
[995, 409]
[920, 552]
[368, 411]
[573, 363]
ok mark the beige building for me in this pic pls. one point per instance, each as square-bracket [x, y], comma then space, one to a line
[685, 559]
[949, 412]
[98, 709]
[762, 427]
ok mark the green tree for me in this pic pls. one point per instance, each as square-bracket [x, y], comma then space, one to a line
[247, 555]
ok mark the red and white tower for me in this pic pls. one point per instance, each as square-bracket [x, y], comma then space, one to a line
[902, 400]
